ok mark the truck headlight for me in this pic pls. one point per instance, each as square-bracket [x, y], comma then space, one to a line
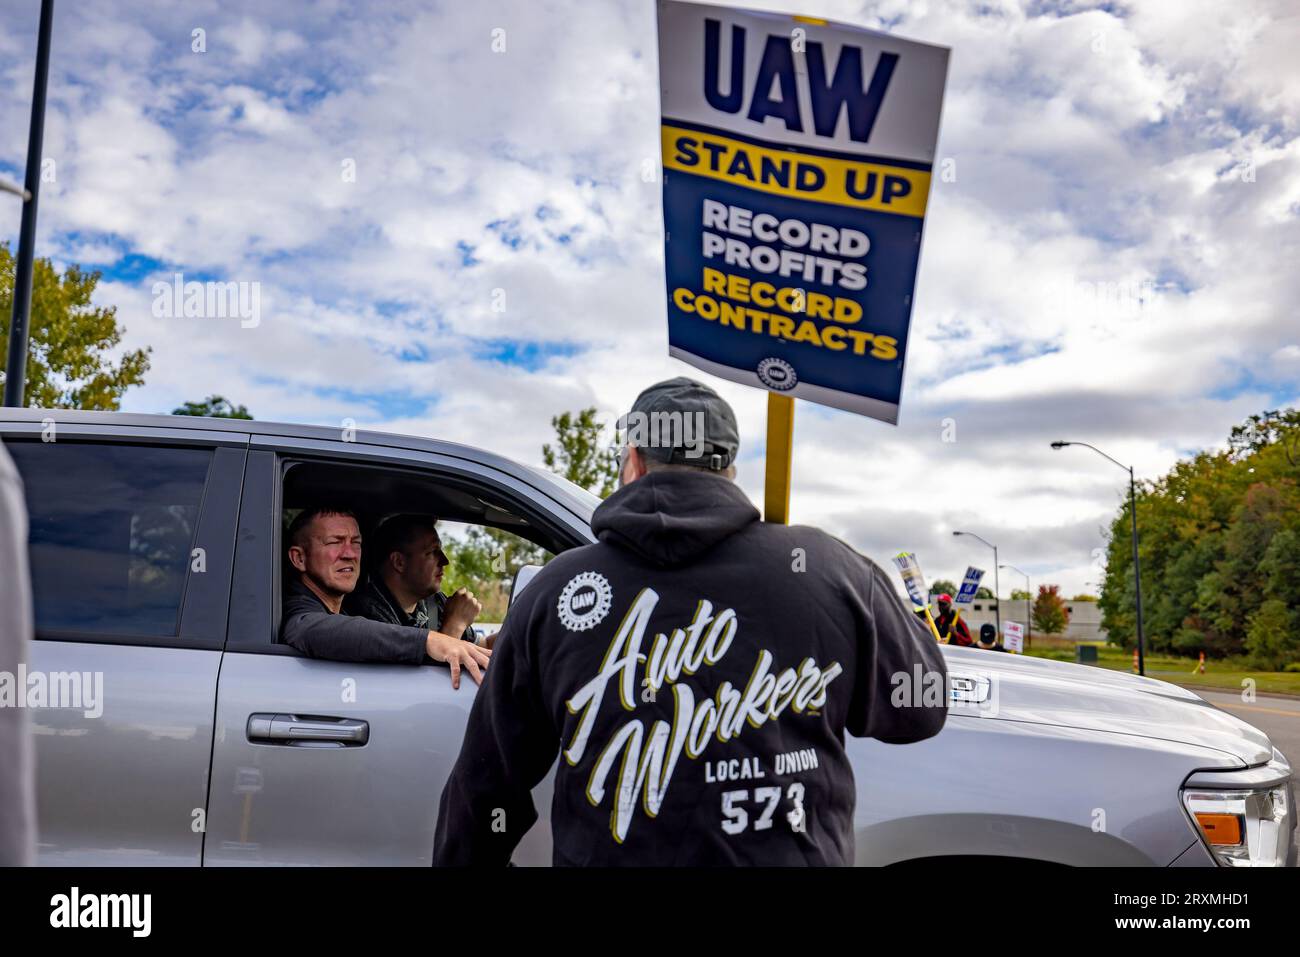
[1246, 828]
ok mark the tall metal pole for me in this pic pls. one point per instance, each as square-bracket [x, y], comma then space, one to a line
[997, 593]
[16, 366]
[1137, 570]
[1029, 614]
[997, 601]
[1029, 611]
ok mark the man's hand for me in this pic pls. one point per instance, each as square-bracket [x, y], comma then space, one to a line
[462, 608]
[458, 654]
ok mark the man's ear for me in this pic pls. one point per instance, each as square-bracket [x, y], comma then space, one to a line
[298, 557]
[633, 465]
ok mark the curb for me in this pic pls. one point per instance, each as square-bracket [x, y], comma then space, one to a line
[1259, 694]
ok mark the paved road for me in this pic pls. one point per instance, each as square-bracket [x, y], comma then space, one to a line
[1279, 718]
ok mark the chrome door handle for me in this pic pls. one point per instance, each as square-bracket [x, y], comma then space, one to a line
[309, 730]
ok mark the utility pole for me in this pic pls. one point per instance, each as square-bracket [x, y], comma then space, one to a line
[1137, 565]
[16, 366]
[997, 589]
[1029, 609]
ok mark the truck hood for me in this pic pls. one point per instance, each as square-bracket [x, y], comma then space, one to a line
[1042, 691]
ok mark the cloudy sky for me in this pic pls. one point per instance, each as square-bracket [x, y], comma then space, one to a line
[1114, 261]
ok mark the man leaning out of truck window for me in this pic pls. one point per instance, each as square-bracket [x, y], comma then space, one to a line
[325, 556]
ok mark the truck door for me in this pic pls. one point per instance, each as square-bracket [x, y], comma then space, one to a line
[130, 543]
[321, 762]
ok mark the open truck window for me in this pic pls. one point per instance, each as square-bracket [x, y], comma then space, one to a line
[486, 535]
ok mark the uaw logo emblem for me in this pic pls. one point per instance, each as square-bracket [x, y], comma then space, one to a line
[585, 601]
[777, 374]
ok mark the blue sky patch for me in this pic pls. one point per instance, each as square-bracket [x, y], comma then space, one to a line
[530, 355]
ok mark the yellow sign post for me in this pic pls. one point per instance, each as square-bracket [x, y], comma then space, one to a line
[780, 452]
[934, 628]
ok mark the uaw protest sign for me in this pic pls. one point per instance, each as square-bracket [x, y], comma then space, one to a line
[970, 585]
[797, 161]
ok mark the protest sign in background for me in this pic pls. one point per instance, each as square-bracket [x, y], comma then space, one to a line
[970, 585]
[910, 570]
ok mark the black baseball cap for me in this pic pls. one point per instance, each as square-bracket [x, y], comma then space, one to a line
[683, 422]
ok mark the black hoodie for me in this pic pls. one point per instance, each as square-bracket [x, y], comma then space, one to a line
[696, 669]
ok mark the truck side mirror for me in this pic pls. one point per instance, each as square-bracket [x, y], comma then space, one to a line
[525, 574]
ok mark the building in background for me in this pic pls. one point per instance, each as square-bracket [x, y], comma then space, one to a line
[1085, 617]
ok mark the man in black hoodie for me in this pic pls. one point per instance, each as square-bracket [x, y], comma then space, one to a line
[696, 670]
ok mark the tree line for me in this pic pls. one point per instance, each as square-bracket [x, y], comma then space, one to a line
[1220, 551]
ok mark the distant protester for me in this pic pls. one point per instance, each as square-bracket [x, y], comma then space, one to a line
[951, 628]
[988, 639]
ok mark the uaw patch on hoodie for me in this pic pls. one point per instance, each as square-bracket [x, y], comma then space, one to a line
[639, 763]
[585, 601]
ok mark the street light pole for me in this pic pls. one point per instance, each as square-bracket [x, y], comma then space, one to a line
[16, 365]
[1137, 570]
[1029, 615]
[1137, 563]
[997, 588]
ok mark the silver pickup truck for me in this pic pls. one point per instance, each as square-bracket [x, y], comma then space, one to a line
[173, 728]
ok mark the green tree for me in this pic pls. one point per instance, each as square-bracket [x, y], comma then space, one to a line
[580, 455]
[1219, 536]
[941, 586]
[983, 592]
[1271, 637]
[1235, 590]
[1019, 594]
[71, 342]
[1258, 432]
[214, 407]
[1049, 615]
[485, 562]
[1082, 596]
[1280, 566]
